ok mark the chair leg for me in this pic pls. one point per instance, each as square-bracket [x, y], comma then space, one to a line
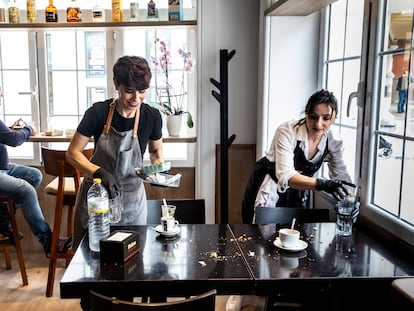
[17, 244]
[69, 232]
[53, 248]
[6, 250]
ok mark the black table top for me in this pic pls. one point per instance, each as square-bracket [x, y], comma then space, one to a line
[200, 257]
[328, 255]
[233, 259]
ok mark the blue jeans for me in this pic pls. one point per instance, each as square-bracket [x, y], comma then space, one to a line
[402, 100]
[19, 182]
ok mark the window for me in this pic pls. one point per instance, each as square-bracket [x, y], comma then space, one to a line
[72, 70]
[382, 126]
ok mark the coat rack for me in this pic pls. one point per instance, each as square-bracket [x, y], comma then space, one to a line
[225, 141]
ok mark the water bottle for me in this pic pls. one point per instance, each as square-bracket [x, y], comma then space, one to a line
[98, 210]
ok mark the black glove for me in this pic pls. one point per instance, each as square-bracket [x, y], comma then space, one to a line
[108, 181]
[336, 187]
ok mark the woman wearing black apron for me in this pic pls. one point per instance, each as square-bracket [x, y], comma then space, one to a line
[284, 176]
[122, 128]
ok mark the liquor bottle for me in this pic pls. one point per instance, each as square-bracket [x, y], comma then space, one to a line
[31, 11]
[14, 14]
[133, 11]
[98, 211]
[117, 11]
[51, 13]
[73, 12]
[2, 12]
[152, 10]
[98, 13]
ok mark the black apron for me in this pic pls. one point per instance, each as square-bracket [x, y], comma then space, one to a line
[290, 198]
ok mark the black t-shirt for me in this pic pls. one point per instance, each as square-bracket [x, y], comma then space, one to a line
[149, 127]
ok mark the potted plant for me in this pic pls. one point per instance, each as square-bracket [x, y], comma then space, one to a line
[170, 95]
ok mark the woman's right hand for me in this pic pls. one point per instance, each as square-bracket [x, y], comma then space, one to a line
[336, 187]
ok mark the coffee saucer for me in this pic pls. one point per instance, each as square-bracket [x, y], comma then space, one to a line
[161, 231]
[298, 247]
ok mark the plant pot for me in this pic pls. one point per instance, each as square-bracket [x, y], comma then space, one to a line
[174, 123]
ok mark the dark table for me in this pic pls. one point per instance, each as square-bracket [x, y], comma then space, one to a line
[242, 259]
[333, 272]
[200, 258]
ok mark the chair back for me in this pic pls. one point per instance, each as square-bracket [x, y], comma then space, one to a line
[191, 211]
[202, 302]
[284, 215]
[55, 164]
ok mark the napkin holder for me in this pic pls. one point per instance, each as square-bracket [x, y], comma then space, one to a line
[119, 247]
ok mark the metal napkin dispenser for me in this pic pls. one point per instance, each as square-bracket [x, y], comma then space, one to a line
[119, 247]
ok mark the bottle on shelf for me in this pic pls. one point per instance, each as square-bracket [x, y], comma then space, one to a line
[175, 10]
[133, 11]
[98, 12]
[51, 13]
[2, 12]
[31, 11]
[14, 13]
[117, 11]
[73, 12]
[98, 211]
[152, 10]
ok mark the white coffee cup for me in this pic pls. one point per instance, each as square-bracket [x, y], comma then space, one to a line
[289, 237]
[169, 224]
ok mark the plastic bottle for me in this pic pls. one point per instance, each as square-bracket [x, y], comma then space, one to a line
[98, 210]
[51, 13]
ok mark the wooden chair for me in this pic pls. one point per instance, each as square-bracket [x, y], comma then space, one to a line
[5, 242]
[65, 187]
[284, 215]
[202, 302]
[188, 211]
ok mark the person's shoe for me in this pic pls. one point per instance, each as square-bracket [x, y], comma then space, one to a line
[63, 245]
[6, 230]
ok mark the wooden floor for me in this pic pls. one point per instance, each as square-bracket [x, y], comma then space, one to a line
[15, 297]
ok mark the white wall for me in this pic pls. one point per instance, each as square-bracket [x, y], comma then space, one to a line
[231, 25]
[291, 71]
[288, 48]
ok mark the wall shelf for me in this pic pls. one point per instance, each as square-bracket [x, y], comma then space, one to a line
[97, 24]
[296, 7]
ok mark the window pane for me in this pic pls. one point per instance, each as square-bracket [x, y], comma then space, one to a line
[387, 168]
[14, 50]
[407, 196]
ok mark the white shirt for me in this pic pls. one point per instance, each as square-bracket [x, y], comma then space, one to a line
[281, 151]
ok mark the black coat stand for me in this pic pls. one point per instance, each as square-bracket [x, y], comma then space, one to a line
[225, 141]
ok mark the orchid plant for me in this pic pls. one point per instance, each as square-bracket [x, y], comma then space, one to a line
[170, 100]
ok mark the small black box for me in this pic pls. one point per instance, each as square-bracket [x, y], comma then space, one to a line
[120, 246]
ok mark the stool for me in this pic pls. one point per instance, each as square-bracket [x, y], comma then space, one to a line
[65, 187]
[5, 242]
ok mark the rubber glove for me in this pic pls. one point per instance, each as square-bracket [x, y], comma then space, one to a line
[336, 187]
[108, 181]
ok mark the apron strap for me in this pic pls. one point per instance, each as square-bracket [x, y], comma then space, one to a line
[109, 117]
[135, 130]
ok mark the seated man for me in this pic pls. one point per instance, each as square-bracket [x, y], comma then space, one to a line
[19, 182]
